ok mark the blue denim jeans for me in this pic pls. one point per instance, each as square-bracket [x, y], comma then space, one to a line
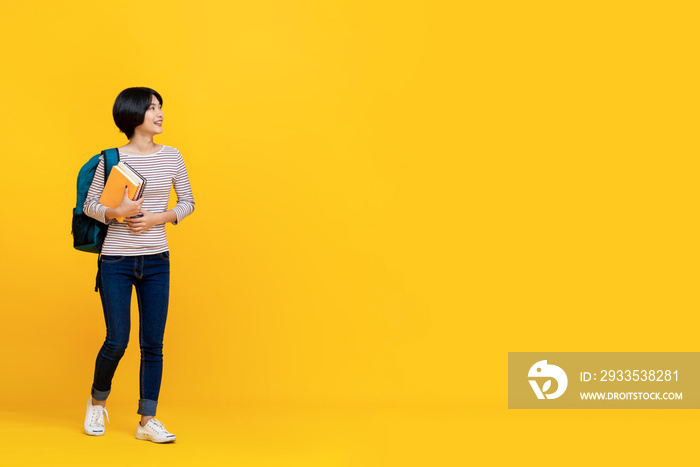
[150, 275]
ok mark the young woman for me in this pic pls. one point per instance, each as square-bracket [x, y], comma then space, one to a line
[135, 254]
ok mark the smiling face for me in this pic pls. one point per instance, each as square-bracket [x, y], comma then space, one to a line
[153, 120]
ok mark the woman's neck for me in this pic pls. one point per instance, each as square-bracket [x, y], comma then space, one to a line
[141, 144]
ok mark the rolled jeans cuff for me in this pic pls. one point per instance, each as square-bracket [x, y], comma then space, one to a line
[147, 407]
[100, 395]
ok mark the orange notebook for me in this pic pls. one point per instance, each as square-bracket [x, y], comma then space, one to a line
[120, 177]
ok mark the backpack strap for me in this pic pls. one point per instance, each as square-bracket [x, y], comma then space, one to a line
[111, 157]
[99, 272]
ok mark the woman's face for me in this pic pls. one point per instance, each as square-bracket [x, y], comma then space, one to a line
[153, 120]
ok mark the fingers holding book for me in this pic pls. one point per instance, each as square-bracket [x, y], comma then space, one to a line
[123, 192]
[127, 207]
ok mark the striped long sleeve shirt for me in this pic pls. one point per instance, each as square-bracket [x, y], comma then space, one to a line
[162, 170]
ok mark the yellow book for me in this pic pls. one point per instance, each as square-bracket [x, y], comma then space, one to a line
[120, 177]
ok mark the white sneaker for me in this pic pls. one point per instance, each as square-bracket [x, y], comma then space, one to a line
[95, 419]
[154, 431]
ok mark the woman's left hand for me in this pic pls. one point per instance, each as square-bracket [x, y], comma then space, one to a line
[143, 223]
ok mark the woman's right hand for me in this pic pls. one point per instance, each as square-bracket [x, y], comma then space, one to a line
[127, 208]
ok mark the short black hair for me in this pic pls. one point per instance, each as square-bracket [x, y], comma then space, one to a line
[131, 106]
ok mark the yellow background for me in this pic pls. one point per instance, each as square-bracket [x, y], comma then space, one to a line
[390, 196]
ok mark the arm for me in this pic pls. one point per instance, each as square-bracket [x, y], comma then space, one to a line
[92, 206]
[185, 199]
[150, 219]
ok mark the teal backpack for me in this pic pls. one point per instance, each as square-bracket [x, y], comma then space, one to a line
[88, 233]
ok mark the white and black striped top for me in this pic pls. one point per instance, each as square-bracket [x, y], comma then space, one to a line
[162, 170]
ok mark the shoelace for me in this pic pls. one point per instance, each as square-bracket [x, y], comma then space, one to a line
[159, 427]
[97, 416]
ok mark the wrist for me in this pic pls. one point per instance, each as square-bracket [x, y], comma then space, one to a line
[112, 213]
[167, 216]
